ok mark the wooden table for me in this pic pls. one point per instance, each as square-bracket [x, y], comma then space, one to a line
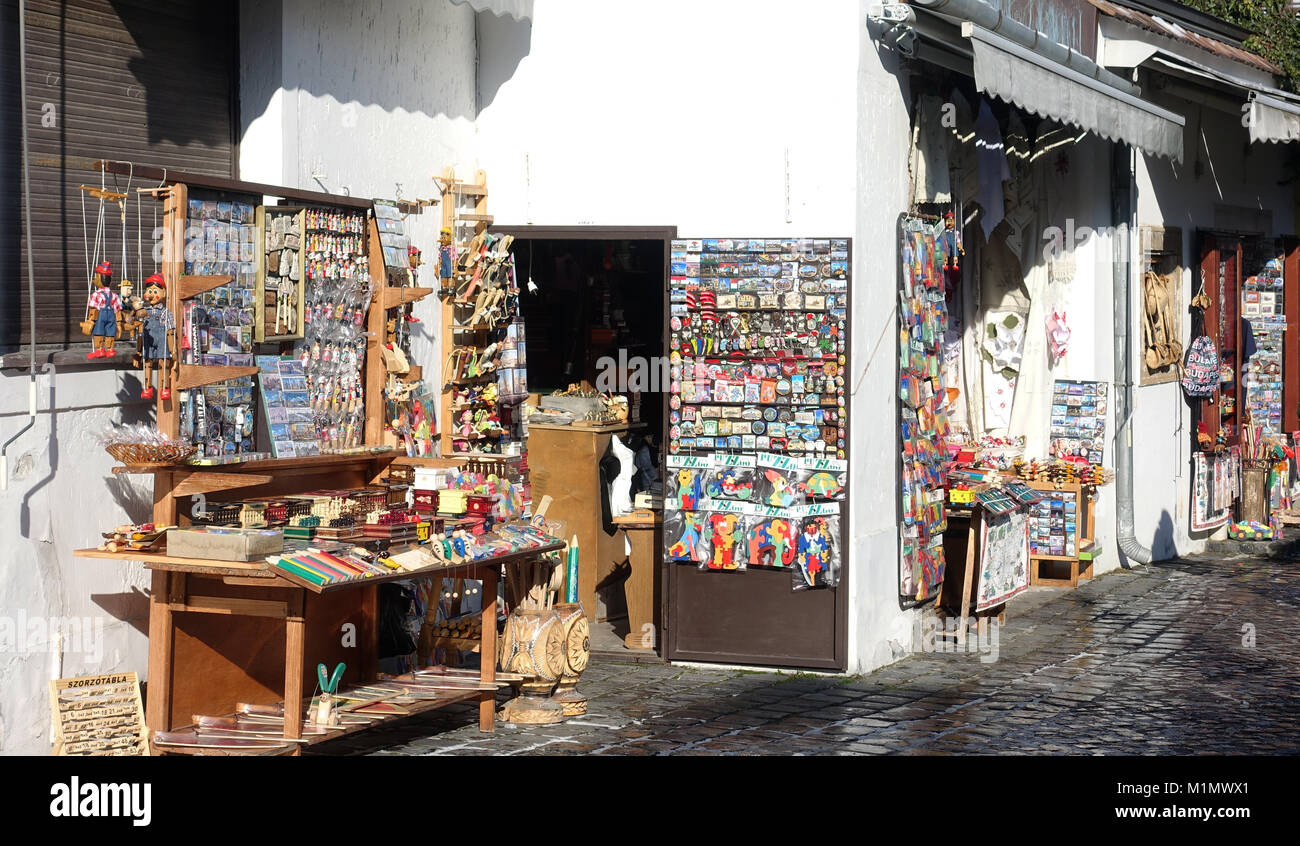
[202, 662]
[564, 464]
[645, 534]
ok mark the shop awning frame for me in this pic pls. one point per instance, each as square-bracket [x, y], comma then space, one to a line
[1018, 75]
[1012, 62]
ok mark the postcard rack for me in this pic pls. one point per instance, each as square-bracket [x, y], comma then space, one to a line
[1076, 516]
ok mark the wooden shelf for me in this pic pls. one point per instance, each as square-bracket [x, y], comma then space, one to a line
[173, 563]
[463, 570]
[307, 463]
[276, 745]
[198, 375]
[192, 286]
[393, 297]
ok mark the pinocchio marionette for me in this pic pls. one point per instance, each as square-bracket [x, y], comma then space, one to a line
[106, 304]
[158, 338]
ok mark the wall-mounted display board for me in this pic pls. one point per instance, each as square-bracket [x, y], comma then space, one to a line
[923, 424]
[281, 274]
[289, 416]
[757, 464]
[1078, 422]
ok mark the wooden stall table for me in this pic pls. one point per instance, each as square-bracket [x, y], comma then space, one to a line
[564, 464]
[644, 531]
[961, 544]
[233, 662]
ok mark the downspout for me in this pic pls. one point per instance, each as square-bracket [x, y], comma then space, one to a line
[27, 228]
[1124, 161]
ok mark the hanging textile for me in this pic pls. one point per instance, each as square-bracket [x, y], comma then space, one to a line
[993, 169]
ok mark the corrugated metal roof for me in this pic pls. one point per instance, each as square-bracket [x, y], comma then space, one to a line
[1172, 30]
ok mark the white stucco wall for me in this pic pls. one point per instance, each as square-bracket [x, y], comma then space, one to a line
[1215, 172]
[61, 494]
[366, 99]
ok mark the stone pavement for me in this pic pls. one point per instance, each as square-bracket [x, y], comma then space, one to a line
[1198, 656]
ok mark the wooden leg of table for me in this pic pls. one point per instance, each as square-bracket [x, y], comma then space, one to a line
[972, 538]
[161, 638]
[295, 629]
[639, 589]
[487, 659]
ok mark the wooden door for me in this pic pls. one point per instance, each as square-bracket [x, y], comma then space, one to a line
[1290, 249]
[1220, 269]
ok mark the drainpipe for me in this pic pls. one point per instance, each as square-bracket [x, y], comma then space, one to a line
[1124, 165]
[31, 275]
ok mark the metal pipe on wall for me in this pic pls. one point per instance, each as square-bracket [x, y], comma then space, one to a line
[1122, 170]
[27, 229]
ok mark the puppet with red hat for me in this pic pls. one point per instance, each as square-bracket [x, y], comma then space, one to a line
[158, 338]
[103, 308]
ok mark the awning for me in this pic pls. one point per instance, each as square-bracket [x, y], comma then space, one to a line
[1273, 115]
[518, 9]
[1014, 73]
[1273, 120]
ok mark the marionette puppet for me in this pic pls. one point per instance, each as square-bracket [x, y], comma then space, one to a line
[158, 338]
[106, 305]
[446, 258]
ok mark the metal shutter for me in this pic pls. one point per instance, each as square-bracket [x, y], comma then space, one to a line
[147, 81]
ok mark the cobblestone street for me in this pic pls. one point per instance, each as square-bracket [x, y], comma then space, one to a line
[1156, 660]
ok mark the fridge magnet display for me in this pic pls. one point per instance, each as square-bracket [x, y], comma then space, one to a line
[283, 387]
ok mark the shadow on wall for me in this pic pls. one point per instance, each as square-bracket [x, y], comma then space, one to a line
[131, 607]
[407, 67]
[503, 42]
[1162, 542]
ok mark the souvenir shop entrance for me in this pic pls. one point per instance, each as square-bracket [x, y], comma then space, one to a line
[1247, 291]
[592, 304]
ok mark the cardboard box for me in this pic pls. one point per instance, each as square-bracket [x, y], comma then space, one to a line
[224, 544]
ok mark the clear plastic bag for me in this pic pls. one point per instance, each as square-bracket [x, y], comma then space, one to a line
[684, 535]
[722, 534]
[736, 484]
[770, 542]
[817, 553]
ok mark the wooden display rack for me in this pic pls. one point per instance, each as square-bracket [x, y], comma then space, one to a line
[1084, 537]
[464, 227]
[201, 661]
